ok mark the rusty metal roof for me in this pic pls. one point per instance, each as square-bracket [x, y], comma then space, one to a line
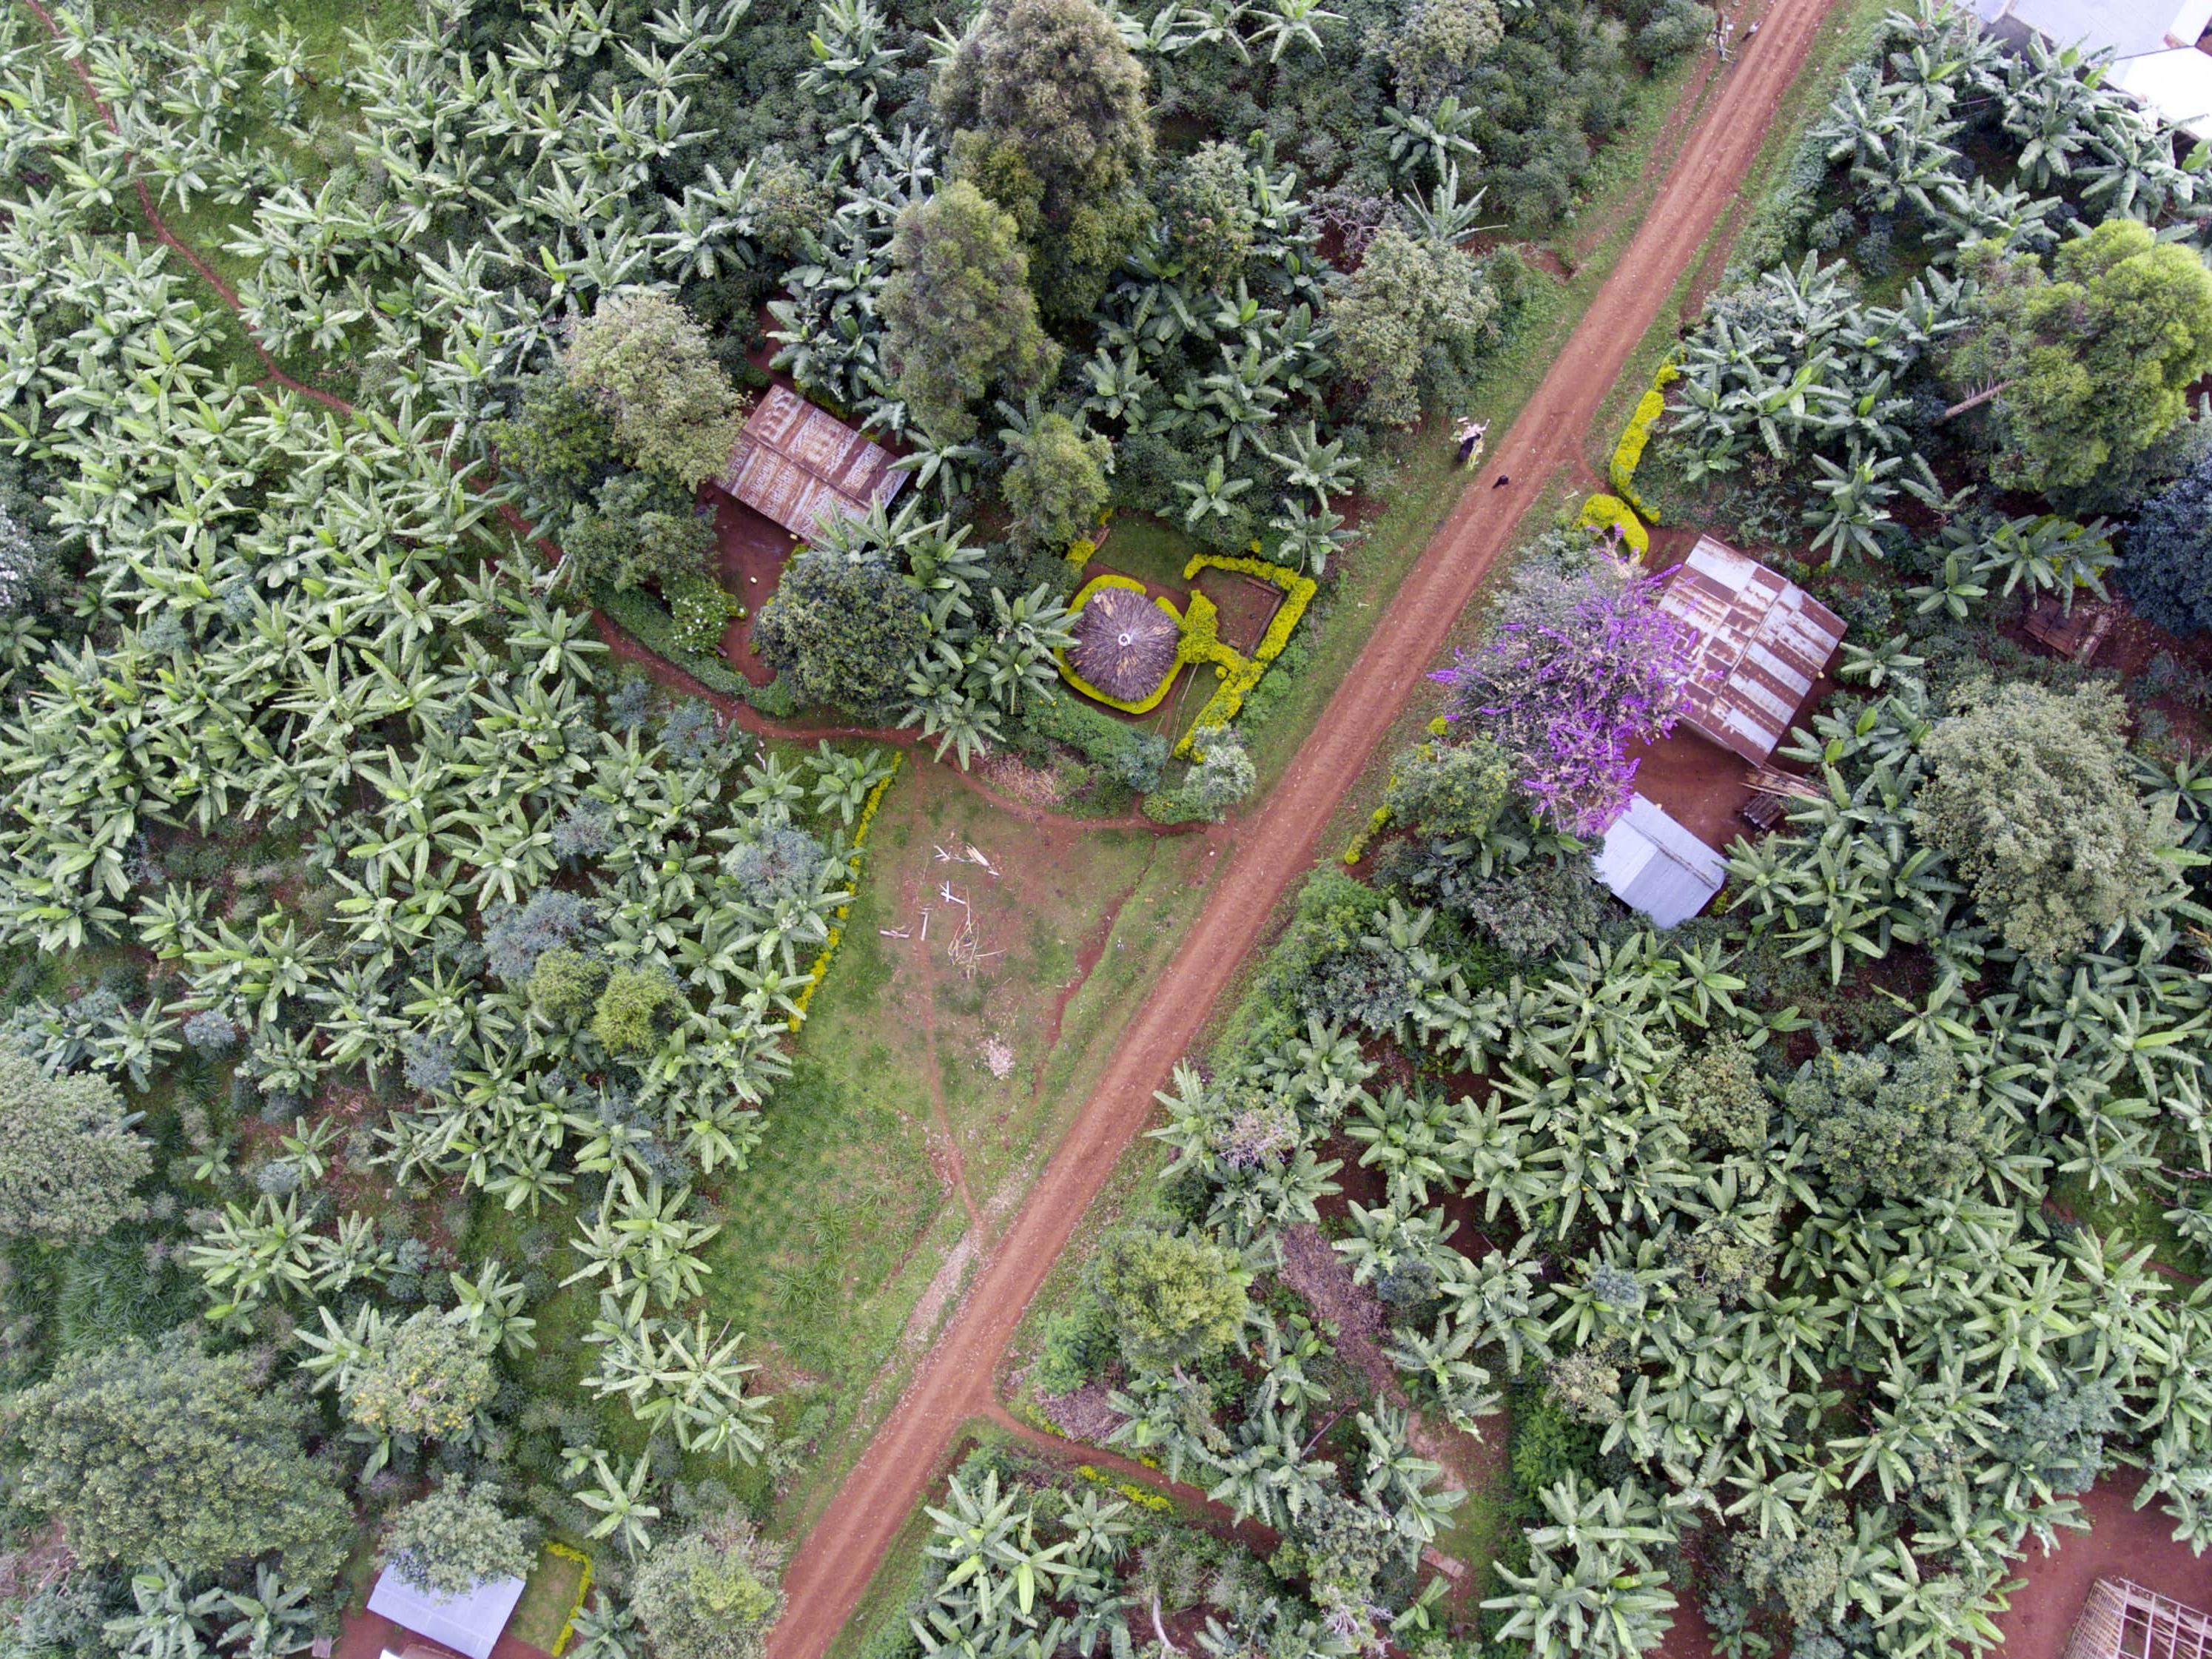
[793, 462]
[1762, 642]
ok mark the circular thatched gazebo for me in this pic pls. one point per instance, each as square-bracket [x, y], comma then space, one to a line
[1125, 644]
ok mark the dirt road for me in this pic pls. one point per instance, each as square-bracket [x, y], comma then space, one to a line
[1279, 844]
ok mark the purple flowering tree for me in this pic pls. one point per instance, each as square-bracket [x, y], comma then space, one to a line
[1575, 670]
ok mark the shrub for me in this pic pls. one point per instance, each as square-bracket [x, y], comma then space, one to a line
[699, 609]
[427, 1377]
[645, 620]
[1132, 756]
[776, 699]
[68, 1156]
[457, 1538]
[627, 1019]
[1077, 1343]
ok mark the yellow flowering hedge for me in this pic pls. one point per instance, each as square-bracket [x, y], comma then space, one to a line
[1629, 452]
[1143, 1497]
[583, 1589]
[1238, 673]
[1145, 704]
[821, 967]
[1604, 512]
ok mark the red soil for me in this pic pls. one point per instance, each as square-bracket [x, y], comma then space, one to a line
[2122, 1542]
[750, 552]
[1698, 783]
[1275, 846]
[1246, 606]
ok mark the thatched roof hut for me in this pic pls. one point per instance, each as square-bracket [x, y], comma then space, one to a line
[1125, 644]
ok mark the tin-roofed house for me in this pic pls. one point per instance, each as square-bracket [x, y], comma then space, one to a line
[468, 1625]
[795, 463]
[1762, 642]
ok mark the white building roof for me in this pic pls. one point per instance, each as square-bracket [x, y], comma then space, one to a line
[2126, 28]
[467, 1624]
[2152, 42]
[2176, 83]
[1654, 865]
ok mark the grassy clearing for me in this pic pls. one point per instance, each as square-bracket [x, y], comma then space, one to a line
[843, 1246]
[546, 1598]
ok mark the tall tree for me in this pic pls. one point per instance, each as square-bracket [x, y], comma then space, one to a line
[1174, 1297]
[843, 630]
[68, 1156]
[646, 361]
[2087, 366]
[1406, 321]
[2030, 794]
[459, 1537]
[1048, 111]
[957, 313]
[2169, 571]
[170, 1454]
[711, 1594]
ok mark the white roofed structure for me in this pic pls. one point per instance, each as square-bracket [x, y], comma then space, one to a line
[1763, 642]
[2158, 58]
[468, 1624]
[1656, 867]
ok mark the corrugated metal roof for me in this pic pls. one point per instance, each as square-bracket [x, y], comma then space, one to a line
[1654, 865]
[793, 462]
[467, 1624]
[1762, 642]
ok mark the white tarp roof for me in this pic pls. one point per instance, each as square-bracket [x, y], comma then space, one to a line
[2178, 84]
[2124, 27]
[1654, 865]
[468, 1624]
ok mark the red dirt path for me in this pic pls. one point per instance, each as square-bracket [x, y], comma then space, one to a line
[1278, 844]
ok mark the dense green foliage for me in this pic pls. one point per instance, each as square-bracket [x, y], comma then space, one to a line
[456, 1537]
[68, 1158]
[168, 1454]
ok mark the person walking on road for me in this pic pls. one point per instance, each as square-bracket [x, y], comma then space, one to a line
[1470, 433]
[1500, 481]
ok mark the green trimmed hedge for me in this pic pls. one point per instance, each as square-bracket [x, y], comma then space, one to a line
[1095, 735]
[646, 621]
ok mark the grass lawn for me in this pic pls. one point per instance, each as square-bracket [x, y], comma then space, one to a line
[848, 1240]
[547, 1598]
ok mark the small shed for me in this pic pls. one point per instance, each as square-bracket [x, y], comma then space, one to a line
[1656, 867]
[795, 463]
[1762, 641]
[468, 1624]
